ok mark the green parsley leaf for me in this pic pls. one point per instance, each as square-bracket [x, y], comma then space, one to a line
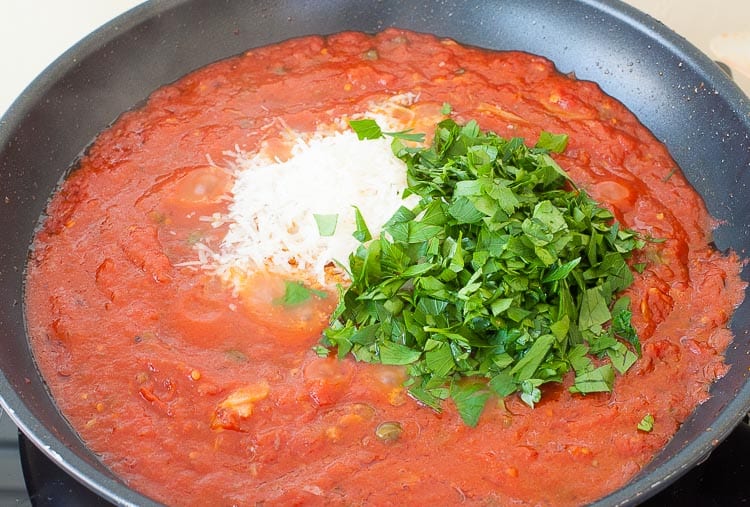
[561, 271]
[470, 400]
[527, 366]
[361, 233]
[555, 143]
[321, 351]
[503, 384]
[530, 392]
[622, 357]
[406, 135]
[595, 381]
[394, 353]
[621, 323]
[326, 224]
[366, 128]
[646, 424]
[295, 293]
[594, 309]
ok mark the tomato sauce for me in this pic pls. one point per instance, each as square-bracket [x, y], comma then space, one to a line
[195, 394]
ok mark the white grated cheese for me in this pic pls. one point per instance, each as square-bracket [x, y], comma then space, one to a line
[271, 217]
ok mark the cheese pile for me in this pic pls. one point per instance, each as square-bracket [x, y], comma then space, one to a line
[271, 217]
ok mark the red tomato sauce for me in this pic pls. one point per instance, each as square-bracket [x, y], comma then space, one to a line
[195, 395]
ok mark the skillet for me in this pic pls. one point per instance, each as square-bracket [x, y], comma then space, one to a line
[677, 92]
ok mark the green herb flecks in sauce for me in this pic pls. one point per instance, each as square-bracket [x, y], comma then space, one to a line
[504, 271]
[647, 423]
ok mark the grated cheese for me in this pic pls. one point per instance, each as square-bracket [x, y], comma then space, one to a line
[271, 218]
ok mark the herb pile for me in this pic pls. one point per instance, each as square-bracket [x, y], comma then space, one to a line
[504, 277]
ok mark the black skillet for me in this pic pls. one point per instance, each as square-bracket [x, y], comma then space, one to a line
[677, 92]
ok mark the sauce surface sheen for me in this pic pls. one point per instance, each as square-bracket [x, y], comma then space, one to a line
[183, 384]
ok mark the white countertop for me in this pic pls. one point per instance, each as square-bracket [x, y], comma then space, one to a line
[33, 33]
[721, 29]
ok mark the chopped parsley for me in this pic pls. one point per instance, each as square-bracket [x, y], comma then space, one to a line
[504, 277]
[326, 223]
[296, 293]
[367, 128]
[647, 423]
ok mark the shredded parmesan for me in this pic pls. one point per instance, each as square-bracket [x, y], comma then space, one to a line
[271, 218]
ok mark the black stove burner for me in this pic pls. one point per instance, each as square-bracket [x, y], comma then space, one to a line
[720, 481]
[48, 485]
